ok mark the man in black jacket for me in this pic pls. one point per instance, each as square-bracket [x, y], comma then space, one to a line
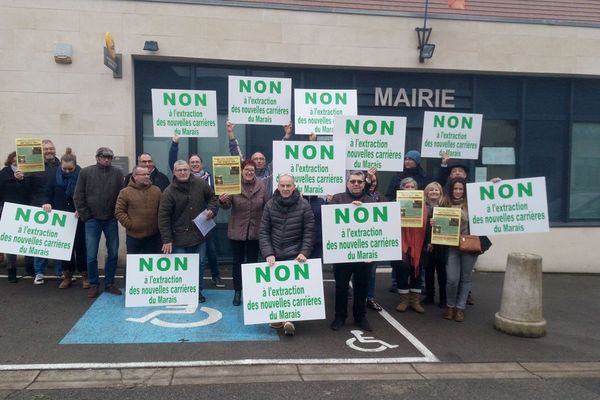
[156, 177]
[95, 197]
[286, 230]
[355, 194]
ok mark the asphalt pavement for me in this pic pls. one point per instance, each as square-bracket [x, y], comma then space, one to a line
[37, 320]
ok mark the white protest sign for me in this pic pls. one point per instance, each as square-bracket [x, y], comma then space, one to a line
[315, 109]
[508, 207]
[318, 168]
[259, 101]
[31, 231]
[453, 133]
[286, 291]
[369, 232]
[372, 141]
[161, 280]
[184, 112]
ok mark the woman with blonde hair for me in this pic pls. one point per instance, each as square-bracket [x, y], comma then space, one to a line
[434, 256]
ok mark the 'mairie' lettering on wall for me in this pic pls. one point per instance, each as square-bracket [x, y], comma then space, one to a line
[437, 98]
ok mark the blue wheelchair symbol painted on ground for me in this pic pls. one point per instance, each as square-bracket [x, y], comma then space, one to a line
[217, 320]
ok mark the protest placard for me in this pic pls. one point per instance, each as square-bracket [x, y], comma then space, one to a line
[184, 112]
[286, 291]
[30, 156]
[411, 208]
[315, 109]
[372, 141]
[446, 229]
[161, 280]
[31, 231]
[318, 168]
[369, 232]
[452, 133]
[226, 173]
[259, 100]
[508, 207]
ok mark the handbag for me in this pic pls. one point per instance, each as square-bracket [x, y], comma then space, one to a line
[470, 244]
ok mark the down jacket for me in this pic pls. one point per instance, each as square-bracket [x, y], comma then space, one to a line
[287, 227]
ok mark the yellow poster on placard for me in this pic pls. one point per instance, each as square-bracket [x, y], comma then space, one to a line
[226, 172]
[411, 208]
[30, 155]
[446, 229]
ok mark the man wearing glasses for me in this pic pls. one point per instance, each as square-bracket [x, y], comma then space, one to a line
[95, 196]
[354, 194]
[157, 178]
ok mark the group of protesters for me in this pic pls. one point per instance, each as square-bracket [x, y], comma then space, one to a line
[158, 217]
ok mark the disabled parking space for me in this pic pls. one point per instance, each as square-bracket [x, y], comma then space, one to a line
[47, 325]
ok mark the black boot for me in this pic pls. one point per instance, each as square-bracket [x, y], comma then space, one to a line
[12, 275]
[237, 298]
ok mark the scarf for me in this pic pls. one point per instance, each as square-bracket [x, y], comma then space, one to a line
[67, 180]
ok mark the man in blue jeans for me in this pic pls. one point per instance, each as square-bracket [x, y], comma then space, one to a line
[95, 197]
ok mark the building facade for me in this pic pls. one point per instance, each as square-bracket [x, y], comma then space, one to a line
[533, 76]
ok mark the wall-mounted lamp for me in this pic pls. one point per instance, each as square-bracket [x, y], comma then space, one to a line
[151, 45]
[425, 48]
[63, 53]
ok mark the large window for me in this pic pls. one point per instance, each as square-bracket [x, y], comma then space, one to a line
[584, 199]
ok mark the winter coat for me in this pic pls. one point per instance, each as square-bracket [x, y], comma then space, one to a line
[56, 192]
[43, 180]
[13, 190]
[137, 209]
[246, 211]
[287, 227]
[416, 173]
[96, 192]
[180, 203]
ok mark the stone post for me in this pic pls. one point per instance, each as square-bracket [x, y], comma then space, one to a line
[521, 307]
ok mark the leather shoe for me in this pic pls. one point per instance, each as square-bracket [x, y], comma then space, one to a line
[113, 290]
[93, 292]
[364, 325]
[237, 298]
[201, 298]
[373, 305]
[337, 324]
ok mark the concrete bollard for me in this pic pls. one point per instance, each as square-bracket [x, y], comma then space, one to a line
[521, 307]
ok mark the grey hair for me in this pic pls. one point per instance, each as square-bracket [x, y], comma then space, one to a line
[408, 180]
[355, 172]
[144, 154]
[137, 167]
[286, 174]
[179, 162]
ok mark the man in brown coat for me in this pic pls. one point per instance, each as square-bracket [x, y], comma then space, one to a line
[137, 210]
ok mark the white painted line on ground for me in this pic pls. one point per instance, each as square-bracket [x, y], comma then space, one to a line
[409, 336]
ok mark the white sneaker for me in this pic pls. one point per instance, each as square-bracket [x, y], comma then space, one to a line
[39, 279]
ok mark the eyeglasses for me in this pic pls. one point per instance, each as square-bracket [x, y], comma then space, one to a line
[356, 182]
[182, 170]
[257, 158]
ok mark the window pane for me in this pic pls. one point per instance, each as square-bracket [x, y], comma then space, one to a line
[498, 136]
[584, 202]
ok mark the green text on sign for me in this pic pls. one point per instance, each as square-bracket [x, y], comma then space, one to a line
[184, 99]
[163, 264]
[260, 86]
[505, 191]
[309, 152]
[370, 127]
[361, 215]
[440, 121]
[325, 98]
[282, 273]
[41, 217]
